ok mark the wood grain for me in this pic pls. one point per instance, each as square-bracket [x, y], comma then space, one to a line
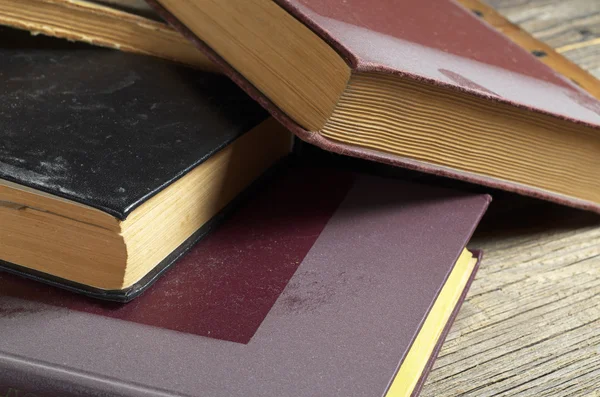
[572, 27]
[531, 323]
[562, 54]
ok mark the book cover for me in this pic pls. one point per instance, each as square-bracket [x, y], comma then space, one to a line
[319, 285]
[436, 43]
[92, 139]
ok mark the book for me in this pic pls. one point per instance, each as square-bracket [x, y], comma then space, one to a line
[127, 25]
[324, 283]
[425, 85]
[113, 164]
[542, 51]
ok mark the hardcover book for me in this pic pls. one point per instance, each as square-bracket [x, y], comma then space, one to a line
[113, 164]
[127, 25]
[324, 283]
[425, 85]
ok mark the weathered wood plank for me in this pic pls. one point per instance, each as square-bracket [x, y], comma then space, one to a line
[546, 53]
[571, 27]
[531, 323]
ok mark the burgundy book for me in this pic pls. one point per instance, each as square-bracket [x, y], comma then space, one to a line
[421, 84]
[325, 283]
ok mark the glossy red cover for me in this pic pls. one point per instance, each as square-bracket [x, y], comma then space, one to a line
[437, 42]
[317, 287]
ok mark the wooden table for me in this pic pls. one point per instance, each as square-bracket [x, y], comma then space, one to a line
[531, 323]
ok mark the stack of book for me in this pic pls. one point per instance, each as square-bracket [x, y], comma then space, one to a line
[171, 222]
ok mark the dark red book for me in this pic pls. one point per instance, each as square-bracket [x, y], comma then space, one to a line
[325, 283]
[425, 85]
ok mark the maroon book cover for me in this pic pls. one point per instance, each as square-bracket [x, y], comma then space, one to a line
[317, 286]
[435, 42]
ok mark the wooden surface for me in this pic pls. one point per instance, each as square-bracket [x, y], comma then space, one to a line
[585, 39]
[571, 27]
[531, 322]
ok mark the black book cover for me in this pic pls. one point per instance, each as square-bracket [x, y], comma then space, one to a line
[109, 129]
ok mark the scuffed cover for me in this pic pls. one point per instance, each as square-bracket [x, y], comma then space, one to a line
[317, 287]
[438, 42]
[110, 129]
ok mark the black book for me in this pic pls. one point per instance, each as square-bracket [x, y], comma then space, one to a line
[113, 164]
